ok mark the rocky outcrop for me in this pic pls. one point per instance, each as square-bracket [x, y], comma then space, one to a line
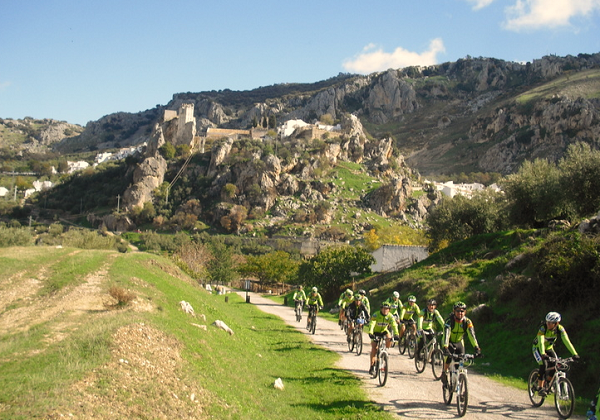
[389, 98]
[390, 199]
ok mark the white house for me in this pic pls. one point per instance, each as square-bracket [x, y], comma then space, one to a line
[77, 166]
[288, 127]
[42, 185]
[396, 257]
[3, 192]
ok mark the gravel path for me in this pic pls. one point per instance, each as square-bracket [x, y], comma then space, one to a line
[409, 395]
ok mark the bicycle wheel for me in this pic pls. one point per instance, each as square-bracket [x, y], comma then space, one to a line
[383, 369]
[437, 364]
[375, 369]
[448, 391]
[350, 339]
[313, 324]
[532, 389]
[412, 346]
[462, 396]
[402, 344]
[421, 360]
[564, 398]
[359, 342]
[345, 325]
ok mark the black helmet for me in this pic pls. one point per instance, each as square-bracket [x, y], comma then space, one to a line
[431, 302]
[362, 292]
[385, 305]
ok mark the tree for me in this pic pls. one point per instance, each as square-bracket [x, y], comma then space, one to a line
[580, 178]
[274, 267]
[459, 217]
[534, 194]
[221, 268]
[333, 267]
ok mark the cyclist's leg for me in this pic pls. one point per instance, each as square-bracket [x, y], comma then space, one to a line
[373, 355]
[402, 328]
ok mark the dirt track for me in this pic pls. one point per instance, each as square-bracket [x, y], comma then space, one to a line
[409, 395]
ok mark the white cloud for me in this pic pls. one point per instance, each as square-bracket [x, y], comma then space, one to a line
[480, 4]
[537, 14]
[371, 59]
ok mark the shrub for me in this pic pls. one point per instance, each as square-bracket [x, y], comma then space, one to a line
[122, 296]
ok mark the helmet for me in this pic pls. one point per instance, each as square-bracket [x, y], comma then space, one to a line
[314, 289]
[460, 305]
[411, 298]
[362, 292]
[385, 305]
[553, 317]
[431, 302]
[396, 295]
[300, 287]
[349, 292]
[357, 297]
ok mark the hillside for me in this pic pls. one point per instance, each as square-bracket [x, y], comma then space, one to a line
[68, 348]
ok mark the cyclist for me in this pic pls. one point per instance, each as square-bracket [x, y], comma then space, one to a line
[343, 301]
[299, 296]
[425, 322]
[543, 345]
[365, 299]
[408, 310]
[455, 327]
[313, 299]
[355, 309]
[380, 325]
[395, 305]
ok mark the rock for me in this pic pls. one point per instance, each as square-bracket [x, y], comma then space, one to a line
[186, 307]
[278, 384]
[220, 324]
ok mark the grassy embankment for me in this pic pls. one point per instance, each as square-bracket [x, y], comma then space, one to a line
[63, 351]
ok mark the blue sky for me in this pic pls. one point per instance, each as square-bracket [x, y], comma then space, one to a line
[78, 60]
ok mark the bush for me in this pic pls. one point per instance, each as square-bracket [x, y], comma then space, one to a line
[122, 296]
[15, 237]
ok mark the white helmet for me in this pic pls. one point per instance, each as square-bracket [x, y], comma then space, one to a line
[314, 289]
[553, 317]
[396, 294]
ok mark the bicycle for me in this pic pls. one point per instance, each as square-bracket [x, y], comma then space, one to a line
[409, 339]
[457, 383]
[430, 352]
[356, 341]
[299, 305]
[558, 384]
[312, 315]
[381, 363]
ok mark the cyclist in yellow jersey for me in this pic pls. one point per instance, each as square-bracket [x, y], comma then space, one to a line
[313, 299]
[343, 301]
[407, 312]
[455, 327]
[381, 324]
[543, 345]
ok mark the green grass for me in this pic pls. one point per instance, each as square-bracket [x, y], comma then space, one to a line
[236, 372]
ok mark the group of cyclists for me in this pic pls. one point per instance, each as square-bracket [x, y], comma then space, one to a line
[394, 317]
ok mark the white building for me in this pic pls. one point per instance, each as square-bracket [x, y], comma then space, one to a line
[77, 166]
[3, 192]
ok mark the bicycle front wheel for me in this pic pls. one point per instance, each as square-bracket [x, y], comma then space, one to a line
[564, 398]
[412, 346]
[437, 364]
[533, 388]
[350, 339]
[402, 344]
[313, 324]
[383, 369]
[421, 360]
[359, 343]
[462, 396]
